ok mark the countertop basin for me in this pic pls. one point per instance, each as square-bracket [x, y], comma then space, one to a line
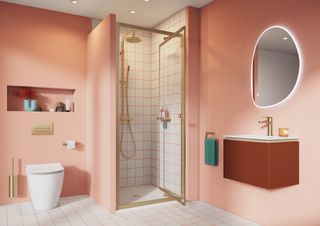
[260, 138]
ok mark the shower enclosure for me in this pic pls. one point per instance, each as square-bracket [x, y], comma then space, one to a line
[151, 116]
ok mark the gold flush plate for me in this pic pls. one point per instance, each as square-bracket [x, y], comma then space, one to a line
[42, 128]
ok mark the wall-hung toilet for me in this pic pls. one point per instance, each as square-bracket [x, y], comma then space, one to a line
[45, 184]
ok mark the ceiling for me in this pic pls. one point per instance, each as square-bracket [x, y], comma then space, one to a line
[273, 39]
[147, 14]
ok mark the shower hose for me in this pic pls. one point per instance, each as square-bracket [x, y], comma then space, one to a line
[125, 116]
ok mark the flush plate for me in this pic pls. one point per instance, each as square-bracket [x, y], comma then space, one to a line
[42, 128]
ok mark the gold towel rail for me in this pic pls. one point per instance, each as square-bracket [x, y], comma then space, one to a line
[210, 133]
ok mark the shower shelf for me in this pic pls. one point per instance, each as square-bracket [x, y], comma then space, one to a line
[46, 98]
[161, 119]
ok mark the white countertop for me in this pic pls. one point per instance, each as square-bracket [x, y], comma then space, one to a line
[260, 138]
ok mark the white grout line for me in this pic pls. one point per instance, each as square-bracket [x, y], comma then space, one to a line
[75, 211]
[65, 216]
[35, 214]
[81, 201]
[21, 215]
[170, 213]
[7, 220]
[52, 220]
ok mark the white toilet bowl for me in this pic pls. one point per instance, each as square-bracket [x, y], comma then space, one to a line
[45, 184]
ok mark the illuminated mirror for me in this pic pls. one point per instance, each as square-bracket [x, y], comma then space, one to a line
[275, 67]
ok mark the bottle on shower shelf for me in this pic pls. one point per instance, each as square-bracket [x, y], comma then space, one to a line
[164, 113]
[165, 117]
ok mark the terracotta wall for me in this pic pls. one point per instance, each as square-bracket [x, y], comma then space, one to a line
[229, 30]
[192, 102]
[101, 117]
[44, 49]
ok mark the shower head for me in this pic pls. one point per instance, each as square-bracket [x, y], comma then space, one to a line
[133, 39]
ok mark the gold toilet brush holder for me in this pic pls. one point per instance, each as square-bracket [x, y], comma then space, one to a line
[13, 182]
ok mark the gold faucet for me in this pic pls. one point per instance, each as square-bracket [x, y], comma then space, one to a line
[268, 122]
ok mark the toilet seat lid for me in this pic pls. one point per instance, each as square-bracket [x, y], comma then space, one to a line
[50, 168]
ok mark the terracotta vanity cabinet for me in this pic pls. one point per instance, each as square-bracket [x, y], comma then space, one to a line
[267, 165]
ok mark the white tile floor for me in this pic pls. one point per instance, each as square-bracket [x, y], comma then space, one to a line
[81, 211]
[140, 194]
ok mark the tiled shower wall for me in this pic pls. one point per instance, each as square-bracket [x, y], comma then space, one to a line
[166, 143]
[137, 171]
[151, 165]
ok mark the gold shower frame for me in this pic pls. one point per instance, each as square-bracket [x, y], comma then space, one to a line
[171, 196]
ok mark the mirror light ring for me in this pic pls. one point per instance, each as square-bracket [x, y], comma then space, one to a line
[300, 66]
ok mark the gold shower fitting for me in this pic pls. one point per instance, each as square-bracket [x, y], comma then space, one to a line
[133, 38]
[125, 117]
[269, 123]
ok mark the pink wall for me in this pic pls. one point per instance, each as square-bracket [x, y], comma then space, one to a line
[45, 49]
[101, 117]
[192, 103]
[229, 30]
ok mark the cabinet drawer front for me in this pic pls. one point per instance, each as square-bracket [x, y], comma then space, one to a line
[247, 162]
[284, 164]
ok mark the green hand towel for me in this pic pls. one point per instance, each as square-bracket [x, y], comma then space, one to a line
[211, 152]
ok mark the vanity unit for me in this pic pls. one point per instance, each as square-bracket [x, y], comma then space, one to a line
[268, 161]
[264, 161]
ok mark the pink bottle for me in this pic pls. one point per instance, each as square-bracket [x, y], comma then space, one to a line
[164, 113]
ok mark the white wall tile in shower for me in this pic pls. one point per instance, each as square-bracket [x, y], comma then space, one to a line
[138, 57]
[148, 164]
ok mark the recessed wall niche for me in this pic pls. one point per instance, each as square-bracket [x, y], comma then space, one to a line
[46, 98]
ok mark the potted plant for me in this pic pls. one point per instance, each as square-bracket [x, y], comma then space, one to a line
[29, 98]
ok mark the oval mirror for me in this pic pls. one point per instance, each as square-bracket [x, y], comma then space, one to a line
[275, 67]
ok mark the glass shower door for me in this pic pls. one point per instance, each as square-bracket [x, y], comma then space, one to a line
[172, 115]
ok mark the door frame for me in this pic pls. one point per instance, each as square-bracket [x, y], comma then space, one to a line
[169, 198]
[182, 115]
